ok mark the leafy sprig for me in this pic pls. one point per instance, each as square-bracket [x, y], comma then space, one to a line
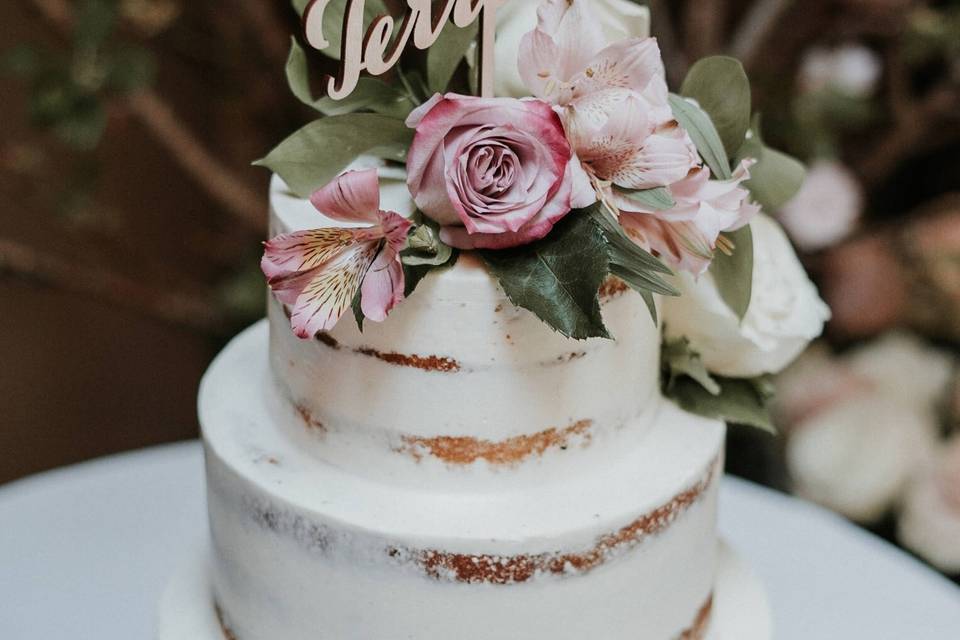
[686, 381]
[558, 278]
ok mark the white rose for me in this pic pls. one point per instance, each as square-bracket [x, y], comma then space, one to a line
[826, 209]
[785, 312]
[929, 523]
[857, 457]
[620, 19]
[851, 69]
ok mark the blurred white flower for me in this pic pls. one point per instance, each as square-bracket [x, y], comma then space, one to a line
[902, 366]
[930, 520]
[785, 313]
[857, 456]
[852, 69]
[620, 19]
[814, 382]
[826, 209]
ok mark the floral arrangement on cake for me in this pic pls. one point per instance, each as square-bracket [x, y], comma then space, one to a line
[583, 167]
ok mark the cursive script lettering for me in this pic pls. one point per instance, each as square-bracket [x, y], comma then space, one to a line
[377, 50]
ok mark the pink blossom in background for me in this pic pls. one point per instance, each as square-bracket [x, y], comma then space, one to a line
[930, 518]
[826, 209]
[318, 272]
[494, 172]
[685, 235]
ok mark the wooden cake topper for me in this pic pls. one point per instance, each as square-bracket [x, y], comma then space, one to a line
[380, 48]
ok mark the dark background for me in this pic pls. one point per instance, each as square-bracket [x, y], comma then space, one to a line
[130, 217]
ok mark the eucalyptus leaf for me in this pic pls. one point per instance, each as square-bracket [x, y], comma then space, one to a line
[704, 135]
[776, 177]
[740, 401]
[721, 88]
[317, 153]
[733, 274]
[371, 94]
[558, 278]
[658, 199]
[447, 53]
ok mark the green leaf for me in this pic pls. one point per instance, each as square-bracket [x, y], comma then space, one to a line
[658, 199]
[447, 53]
[83, 128]
[557, 278]
[371, 94]
[413, 274]
[630, 262]
[317, 153]
[623, 250]
[704, 135]
[740, 401]
[721, 88]
[333, 18]
[776, 177]
[733, 274]
[357, 310]
[679, 360]
[424, 246]
[299, 6]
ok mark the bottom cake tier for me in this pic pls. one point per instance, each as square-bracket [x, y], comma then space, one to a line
[738, 609]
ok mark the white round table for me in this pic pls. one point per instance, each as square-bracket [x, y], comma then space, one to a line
[85, 552]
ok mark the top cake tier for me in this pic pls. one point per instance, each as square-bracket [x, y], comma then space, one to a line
[460, 381]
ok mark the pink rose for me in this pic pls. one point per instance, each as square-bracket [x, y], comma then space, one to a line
[494, 172]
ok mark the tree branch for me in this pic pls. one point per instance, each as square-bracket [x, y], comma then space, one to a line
[194, 312]
[756, 27]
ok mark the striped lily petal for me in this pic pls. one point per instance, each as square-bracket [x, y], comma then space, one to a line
[330, 290]
[319, 272]
[306, 250]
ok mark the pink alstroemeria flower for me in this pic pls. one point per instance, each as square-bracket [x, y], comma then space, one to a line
[318, 272]
[612, 99]
[686, 235]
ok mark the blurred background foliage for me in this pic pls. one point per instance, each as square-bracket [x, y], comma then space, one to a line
[132, 221]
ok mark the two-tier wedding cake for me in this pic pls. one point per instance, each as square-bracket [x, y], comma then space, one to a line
[461, 419]
[459, 471]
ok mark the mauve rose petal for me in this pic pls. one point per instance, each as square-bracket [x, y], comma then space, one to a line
[491, 166]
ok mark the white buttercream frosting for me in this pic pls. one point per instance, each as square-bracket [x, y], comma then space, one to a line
[303, 549]
[458, 471]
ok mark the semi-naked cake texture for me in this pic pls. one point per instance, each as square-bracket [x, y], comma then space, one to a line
[458, 471]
